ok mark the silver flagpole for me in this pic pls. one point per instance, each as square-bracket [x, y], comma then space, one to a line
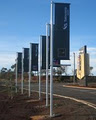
[22, 72]
[51, 63]
[74, 67]
[16, 75]
[40, 53]
[47, 43]
[30, 69]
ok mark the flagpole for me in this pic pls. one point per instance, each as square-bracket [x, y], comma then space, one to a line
[74, 67]
[16, 75]
[47, 62]
[40, 53]
[30, 70]
[51, 63]
[22, 72]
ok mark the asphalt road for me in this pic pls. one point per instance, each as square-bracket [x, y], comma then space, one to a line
[78, 93]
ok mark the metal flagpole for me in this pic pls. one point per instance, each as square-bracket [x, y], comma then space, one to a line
[40, 52]
[47, 43]
[30, 70]
[74, 67]
[16, 75]
[22, 72]
[51, 63]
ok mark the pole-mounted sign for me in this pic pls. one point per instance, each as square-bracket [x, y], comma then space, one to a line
[19, 62]
[83, 63]
[43, 51]
[34, 57]
[25, 65]
[59, 42]
[26, 59]
[33, 61]
[18, 66]
[61, 31]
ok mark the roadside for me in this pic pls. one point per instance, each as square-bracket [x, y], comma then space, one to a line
[21, 107]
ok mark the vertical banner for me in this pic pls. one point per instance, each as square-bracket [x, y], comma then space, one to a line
[19, 62]
[43, 43]
[59, 41]
[43, 51]
[34, 57]
[26, 59]
[61, 31]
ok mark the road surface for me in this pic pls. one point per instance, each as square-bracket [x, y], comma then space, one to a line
[88, 95]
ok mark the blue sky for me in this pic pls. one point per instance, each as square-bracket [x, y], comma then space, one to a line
[23, 21]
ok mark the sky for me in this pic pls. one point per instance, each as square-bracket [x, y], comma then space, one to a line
[23, 21]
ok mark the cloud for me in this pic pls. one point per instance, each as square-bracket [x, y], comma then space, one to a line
[92, 59]
[6, 60]
[16, 43]
[9, 45]
[91, 49]
[79, 41]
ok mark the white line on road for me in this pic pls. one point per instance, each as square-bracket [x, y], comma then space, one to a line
[77, 100]
[74, 99]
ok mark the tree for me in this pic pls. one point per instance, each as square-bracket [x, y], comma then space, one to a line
[13, 67]
[3, 73]
[91, 68]
[61, 70]
[3, 70]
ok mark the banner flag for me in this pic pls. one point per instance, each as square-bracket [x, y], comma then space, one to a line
[34, 57]
[19, 62]
[61, 31]
[26, 59]
[43, 52]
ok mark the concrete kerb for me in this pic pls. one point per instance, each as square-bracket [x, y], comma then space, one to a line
[87, 88]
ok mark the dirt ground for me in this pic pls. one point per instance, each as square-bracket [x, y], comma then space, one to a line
[21, 107]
